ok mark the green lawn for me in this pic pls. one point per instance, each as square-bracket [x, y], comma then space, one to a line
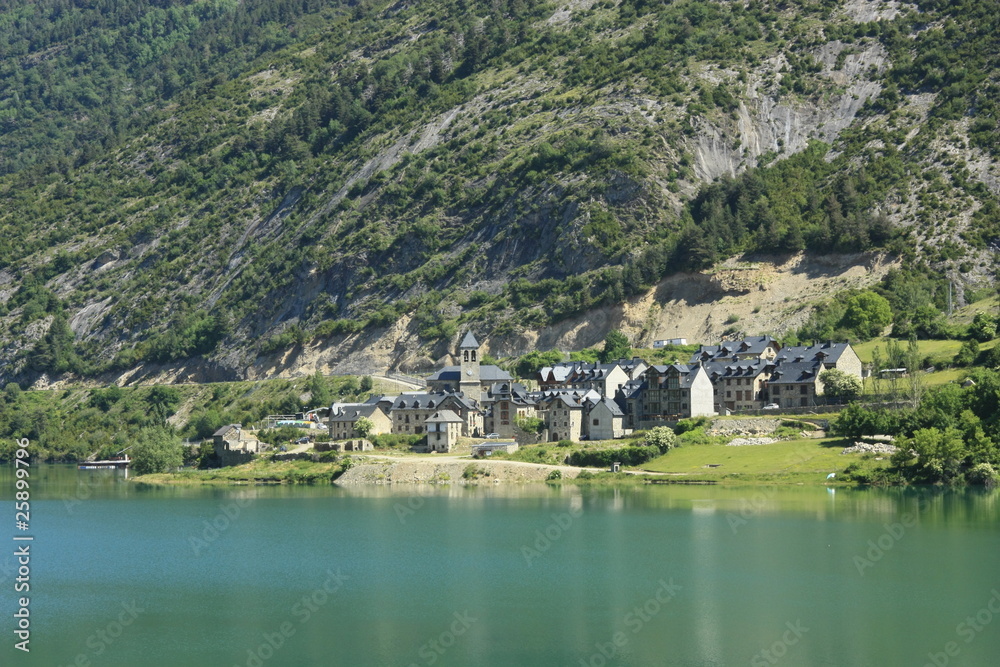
[941, 353]
[944, 377]
[802, 460]
[965, 314]
[936, 349]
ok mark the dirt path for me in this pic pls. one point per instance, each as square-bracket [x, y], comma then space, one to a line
[445, 468]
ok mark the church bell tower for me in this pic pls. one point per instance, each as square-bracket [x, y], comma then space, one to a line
[468, 354]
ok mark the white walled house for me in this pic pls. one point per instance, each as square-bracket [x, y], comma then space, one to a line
[443, 431]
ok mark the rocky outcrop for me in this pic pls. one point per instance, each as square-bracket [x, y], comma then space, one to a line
[463, 472]
[870, 448]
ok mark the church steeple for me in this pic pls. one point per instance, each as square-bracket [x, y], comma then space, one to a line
[468, 354]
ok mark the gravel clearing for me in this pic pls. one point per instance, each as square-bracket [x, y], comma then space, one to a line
[743, 426]
[870, 448]
[748, 442]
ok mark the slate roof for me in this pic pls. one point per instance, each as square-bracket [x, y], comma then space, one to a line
[616, 411]
[226, 429]
[574, 398]
[487, 373]
[423, 401]
[792, 372]
[352, 413]
[828, 352]
[513, 391]
[442, 416]
[685, 372]
[559, 372]
[469, 342]
[633, 388]
[417, 401]
[741, 368]
[569, 372]
[751, 346]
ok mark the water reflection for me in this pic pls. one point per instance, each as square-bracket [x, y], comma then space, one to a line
[551, 573]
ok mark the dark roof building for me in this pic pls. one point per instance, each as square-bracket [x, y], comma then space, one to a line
[750, 347]
[450, 377]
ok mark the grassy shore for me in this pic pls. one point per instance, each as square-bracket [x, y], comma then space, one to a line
[799, 461]
[261, 471]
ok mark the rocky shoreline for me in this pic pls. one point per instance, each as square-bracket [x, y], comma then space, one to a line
[467, 471]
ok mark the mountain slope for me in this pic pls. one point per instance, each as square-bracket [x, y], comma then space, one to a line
[215, 184]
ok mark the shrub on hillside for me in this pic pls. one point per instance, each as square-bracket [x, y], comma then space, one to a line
[603, 458]
[661, 437]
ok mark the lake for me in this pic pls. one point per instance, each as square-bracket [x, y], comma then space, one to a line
[122, 574]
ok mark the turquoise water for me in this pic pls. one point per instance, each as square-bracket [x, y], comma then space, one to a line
[502, 575]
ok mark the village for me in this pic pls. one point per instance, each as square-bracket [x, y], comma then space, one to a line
[570, 401]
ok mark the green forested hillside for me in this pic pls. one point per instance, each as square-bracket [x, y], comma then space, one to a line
[219, 180]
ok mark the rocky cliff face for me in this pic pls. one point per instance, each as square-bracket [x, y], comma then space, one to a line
[352, 211]
[767, 124]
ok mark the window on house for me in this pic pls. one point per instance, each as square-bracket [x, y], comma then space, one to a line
[597, 422]
[803, 389]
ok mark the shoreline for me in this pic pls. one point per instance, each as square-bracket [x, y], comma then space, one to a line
[380, 470]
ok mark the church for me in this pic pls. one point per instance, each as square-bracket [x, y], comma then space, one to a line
[470, 377]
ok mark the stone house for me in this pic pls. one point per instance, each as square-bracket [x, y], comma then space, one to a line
[562, 412]
[504, 403]
[743, 371]
[344, 418]
[677, 391]
[795, 384]
[629, 400]
[409, 411]
[740, 384]
[606, 379]
[444, 428]
[605, 420]
[234, 445]
[796, 380]
[831, 355]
